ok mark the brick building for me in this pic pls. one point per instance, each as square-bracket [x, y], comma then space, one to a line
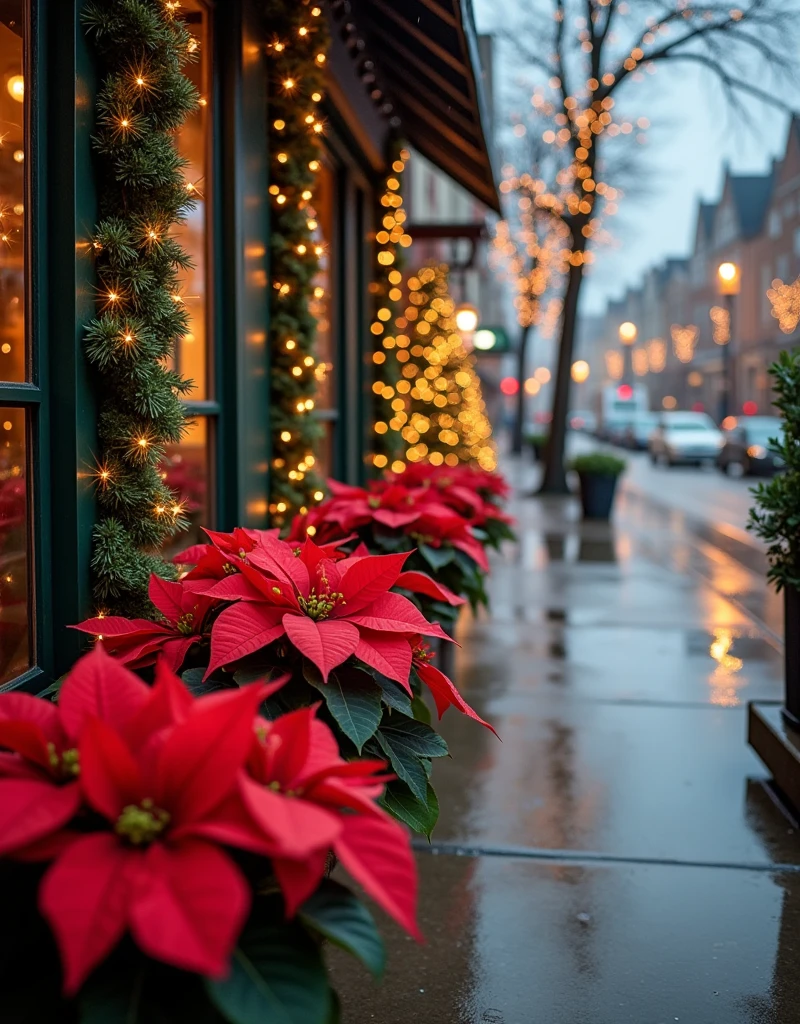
[680, 351]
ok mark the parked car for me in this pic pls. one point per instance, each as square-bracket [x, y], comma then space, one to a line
[583, 420]
[639, 430]
[615, 429]
[747, 447]
[685, 437]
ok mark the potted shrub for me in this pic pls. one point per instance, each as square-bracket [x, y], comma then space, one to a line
[537, 441]
[776, 519]
[598, 473]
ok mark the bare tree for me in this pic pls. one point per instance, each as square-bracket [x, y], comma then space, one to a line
[586, 53]
[532, 247]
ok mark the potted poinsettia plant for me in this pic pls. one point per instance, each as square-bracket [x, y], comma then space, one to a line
[164, 856]
[598, 473]
[337, 626]
[391, 517]
[476, 494]
[775, 518]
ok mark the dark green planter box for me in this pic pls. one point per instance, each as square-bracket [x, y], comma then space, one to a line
[597, 494]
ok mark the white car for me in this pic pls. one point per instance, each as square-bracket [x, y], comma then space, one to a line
[685, 437]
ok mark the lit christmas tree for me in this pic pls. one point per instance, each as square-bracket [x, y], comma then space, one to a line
[437, 404]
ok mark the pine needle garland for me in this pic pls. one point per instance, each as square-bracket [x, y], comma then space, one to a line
[297, 50]
[143, 99]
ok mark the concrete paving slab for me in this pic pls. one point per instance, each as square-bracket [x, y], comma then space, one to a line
[511, 941]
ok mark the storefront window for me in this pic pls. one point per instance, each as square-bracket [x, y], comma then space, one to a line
[15, 638]
[322, 309]
[188, 465]
[13, 357]
[16, 612]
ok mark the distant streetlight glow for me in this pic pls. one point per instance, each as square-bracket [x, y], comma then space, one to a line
[485, 340]
[466, 318]
[542, 374]
[532, 386]
[628, 332]
[728, 277]
[580, 371]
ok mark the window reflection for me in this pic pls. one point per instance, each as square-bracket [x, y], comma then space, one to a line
[193, 142]
[185, 470]
[15, 653]
[321, 308]
[13, 362]
[187, 466]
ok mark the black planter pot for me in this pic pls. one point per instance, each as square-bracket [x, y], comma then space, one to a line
[791, 605]
[597, 494]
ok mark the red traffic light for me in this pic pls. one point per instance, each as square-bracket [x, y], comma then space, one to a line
[509, 385]
[750, 408]
[625, 392]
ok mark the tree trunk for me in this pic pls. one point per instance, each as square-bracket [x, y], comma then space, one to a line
[519, 416]
[555, 475]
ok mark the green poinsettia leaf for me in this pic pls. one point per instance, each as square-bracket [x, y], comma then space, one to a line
[277, 976]
[144, 993]
[436, 558]
[422, 713]
[354, 700]
[341, 917]
[419, 815]
[407, 744]
[192, 679]
[393, 695]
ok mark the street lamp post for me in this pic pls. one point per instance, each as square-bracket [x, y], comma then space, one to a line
[729, 281]
[628, 333]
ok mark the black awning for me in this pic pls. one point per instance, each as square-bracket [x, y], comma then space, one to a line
[426, 59]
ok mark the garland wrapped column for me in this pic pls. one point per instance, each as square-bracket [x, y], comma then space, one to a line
[143, 99]
[297, 49]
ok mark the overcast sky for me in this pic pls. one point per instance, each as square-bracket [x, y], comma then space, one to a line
[691, 137]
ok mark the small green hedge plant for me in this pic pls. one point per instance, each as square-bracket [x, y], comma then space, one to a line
[775, 517]
[598, 463]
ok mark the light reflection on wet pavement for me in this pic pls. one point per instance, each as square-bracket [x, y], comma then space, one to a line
[617, 857]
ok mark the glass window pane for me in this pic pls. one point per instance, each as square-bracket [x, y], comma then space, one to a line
[15, 586]
[186, 470]
[321, 307]
[13, 361]
[193, 141]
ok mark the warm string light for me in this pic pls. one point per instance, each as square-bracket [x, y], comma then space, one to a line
[683, 341]
[296, 127]
[721, 325]
[434, 401]
[785, 304]
[391, 238]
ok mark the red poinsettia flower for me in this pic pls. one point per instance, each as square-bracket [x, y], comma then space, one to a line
[39, 770]
[436, 529]
[139, 642]
[442, 689]
[392, 505]
[158, 871]
[298, 786]
[328, 610]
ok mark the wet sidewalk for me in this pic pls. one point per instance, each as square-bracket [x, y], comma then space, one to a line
[617, 858]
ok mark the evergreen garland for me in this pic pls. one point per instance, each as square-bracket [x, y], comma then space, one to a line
[297, 49]
[143, 99]
[392, 239]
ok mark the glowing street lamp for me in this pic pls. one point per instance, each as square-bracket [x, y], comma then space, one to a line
[466, 318]
[628, 332]
[729, 281]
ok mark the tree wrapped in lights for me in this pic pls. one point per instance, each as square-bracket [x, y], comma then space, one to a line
[532, 248]
[143, 99]
[391, 238]
[297, 50]
[584, 54]
[437, 402]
